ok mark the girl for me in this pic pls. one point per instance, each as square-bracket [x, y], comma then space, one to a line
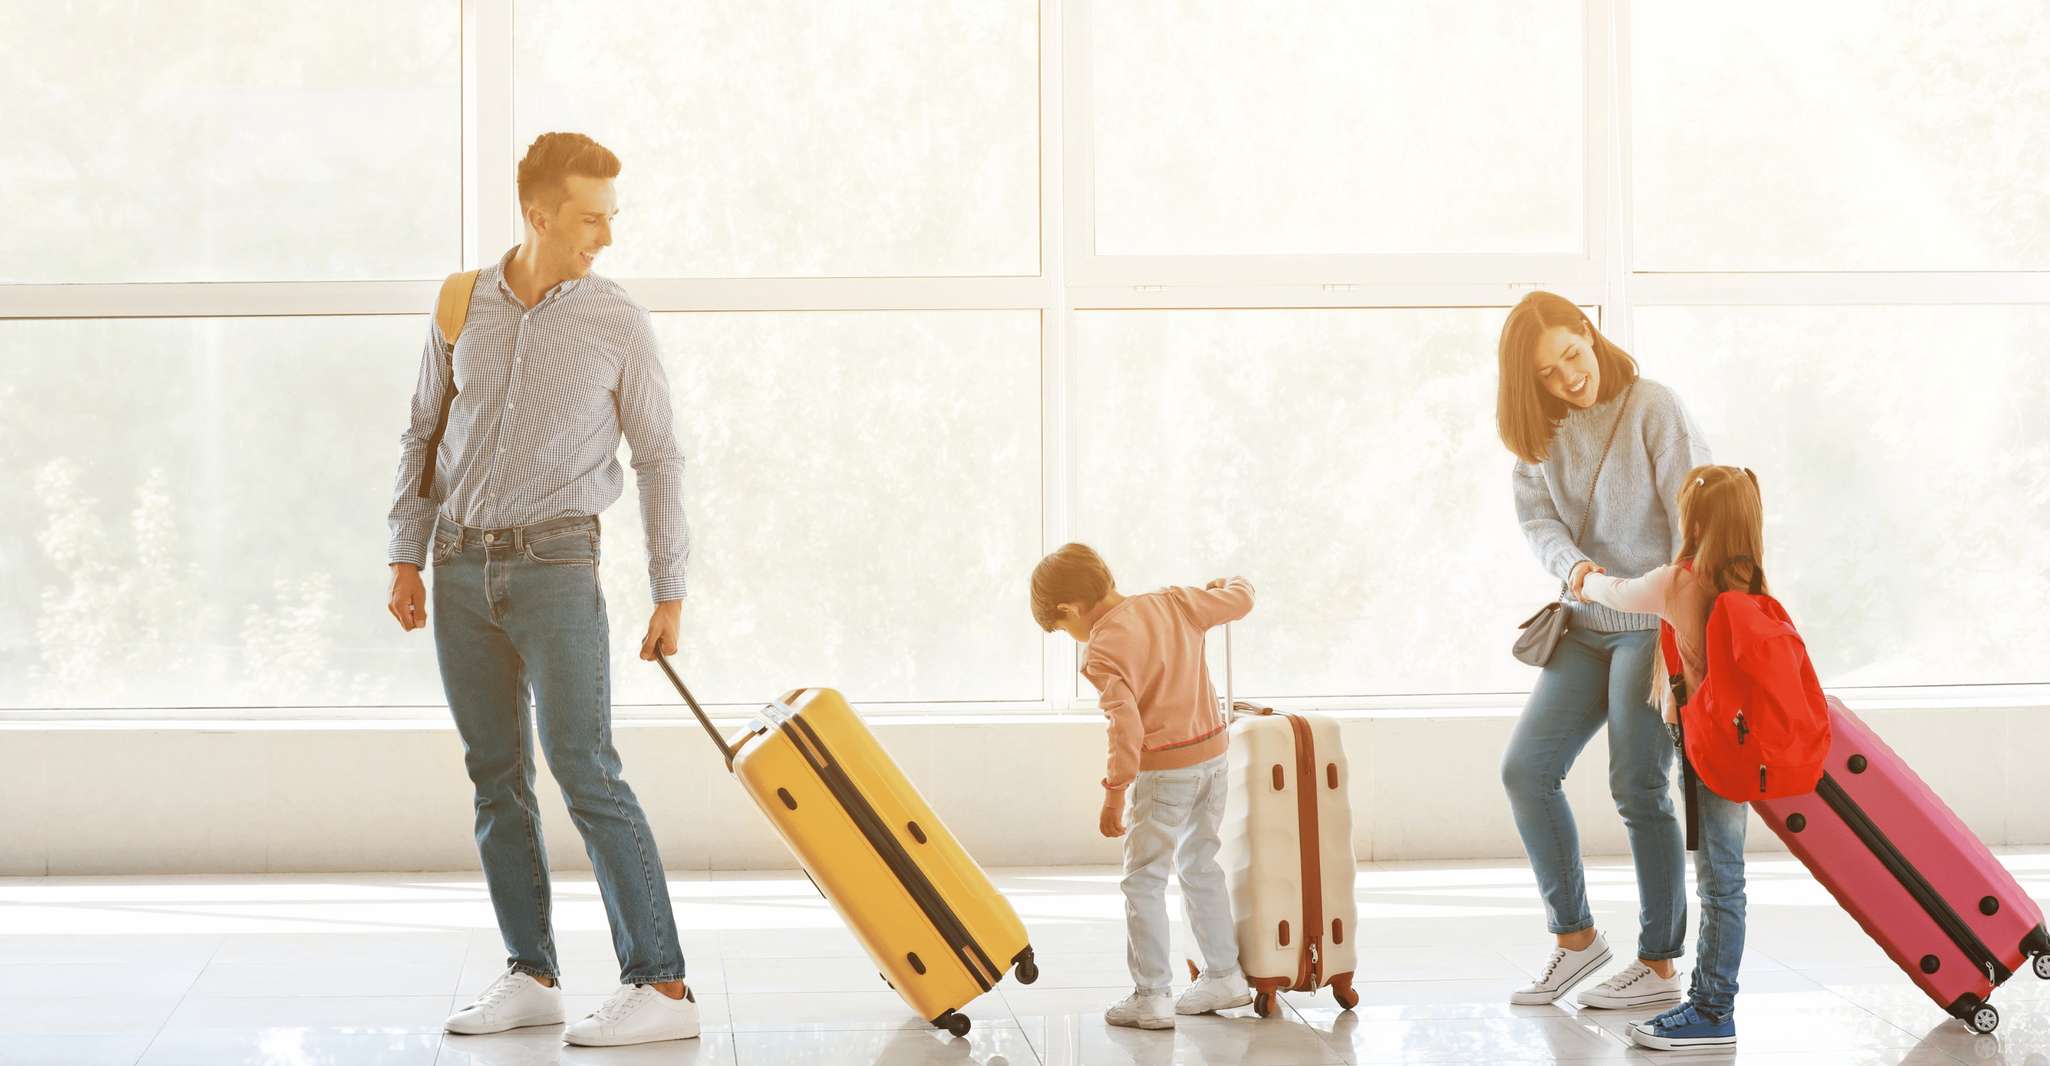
[1600, 458]
[1725, 547]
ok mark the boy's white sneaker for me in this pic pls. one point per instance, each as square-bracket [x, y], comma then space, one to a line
[1215, 993]
[513, 1001]
[1635, 985]
[1565, 969]
[1142, 1010]
[636, 1014]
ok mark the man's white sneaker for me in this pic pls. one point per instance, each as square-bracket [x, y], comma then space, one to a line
[1142, 1010]
[1565, 969]
[1635, 985]
[1214, 993]
[513, 1001]
[636, 1014]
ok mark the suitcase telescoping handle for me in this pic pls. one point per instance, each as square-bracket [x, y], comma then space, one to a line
[1231, 705]
[725, 749]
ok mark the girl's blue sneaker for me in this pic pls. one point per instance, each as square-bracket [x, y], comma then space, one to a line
[1683, 1028]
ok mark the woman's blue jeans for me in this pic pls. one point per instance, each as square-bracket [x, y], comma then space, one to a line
[1594, 681]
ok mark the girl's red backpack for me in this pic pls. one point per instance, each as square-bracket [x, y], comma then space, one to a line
[1759, 728]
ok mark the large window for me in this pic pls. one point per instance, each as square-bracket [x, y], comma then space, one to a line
[786, 138]
[1778, 137]
[1214, 287]
[1902, 453]
[278, 141]
[1336, 128]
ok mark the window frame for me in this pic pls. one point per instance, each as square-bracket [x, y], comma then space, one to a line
[1072, 277]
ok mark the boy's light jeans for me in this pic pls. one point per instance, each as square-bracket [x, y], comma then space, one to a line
[1172, 818]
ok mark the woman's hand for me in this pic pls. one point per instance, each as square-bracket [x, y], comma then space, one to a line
[1672, 713]
[1580, 572]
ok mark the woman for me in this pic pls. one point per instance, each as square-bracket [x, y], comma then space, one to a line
[1601, 455]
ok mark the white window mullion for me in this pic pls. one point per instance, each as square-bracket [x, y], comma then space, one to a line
[217, 299]
[1254, 295]
[1608, 161]
[490, 211]
[1062, 221]
[1827, 289]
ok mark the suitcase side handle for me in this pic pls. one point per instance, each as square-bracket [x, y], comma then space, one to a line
[725, 749]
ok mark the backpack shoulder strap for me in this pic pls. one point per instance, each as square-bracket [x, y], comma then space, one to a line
[452, 307]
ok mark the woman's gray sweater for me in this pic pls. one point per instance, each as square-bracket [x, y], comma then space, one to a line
[1636, 523]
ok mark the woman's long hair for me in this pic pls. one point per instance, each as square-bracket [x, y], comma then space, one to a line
[1525, 414]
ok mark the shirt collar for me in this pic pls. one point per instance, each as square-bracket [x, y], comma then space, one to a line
[562, 288]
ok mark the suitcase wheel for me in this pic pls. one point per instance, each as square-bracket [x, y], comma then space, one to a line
[1263, 1004]
[1984, 1019]
[1344, 994]
[954, 1022]
[1028, 971]
[2042, 967]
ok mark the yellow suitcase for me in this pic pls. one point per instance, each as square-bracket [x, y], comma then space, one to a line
[937, 928]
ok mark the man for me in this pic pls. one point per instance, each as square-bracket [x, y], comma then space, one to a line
[552, 365]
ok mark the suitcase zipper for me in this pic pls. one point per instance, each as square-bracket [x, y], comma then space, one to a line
[1918, 887]
[1310, 972]
[891, 850]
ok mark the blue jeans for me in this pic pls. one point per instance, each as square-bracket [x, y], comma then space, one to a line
[518, 615]
[1719, 881]
[1600, 679]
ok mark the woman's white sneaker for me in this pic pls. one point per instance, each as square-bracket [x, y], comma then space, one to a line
[636, 1014]
[1565, 969]
[514, 1001]
[1635, 985]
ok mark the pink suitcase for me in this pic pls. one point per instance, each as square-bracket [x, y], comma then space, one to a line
[1909, 871]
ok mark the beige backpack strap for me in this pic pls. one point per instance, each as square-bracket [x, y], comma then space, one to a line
[452, 308]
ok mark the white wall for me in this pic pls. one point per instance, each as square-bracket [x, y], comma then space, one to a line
[106, 799]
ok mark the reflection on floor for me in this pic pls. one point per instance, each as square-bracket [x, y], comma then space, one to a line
[362, 969]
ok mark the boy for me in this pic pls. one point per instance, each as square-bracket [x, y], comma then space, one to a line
[1167, 766]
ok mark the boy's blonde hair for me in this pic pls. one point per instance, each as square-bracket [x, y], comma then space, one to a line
[1074, 574]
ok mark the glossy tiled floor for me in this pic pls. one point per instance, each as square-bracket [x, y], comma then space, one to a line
[362, 969]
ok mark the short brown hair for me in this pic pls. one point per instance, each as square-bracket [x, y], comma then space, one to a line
[1525, 414]
[552, 158]
[1074, 574]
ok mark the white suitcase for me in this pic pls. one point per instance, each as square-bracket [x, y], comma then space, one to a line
[1287, 851]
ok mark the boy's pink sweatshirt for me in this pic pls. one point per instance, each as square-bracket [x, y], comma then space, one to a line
[1145, 657]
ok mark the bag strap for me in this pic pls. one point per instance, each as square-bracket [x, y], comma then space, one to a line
[452, 307]
[1587, 512]
[1688, 783]
[451, 310]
